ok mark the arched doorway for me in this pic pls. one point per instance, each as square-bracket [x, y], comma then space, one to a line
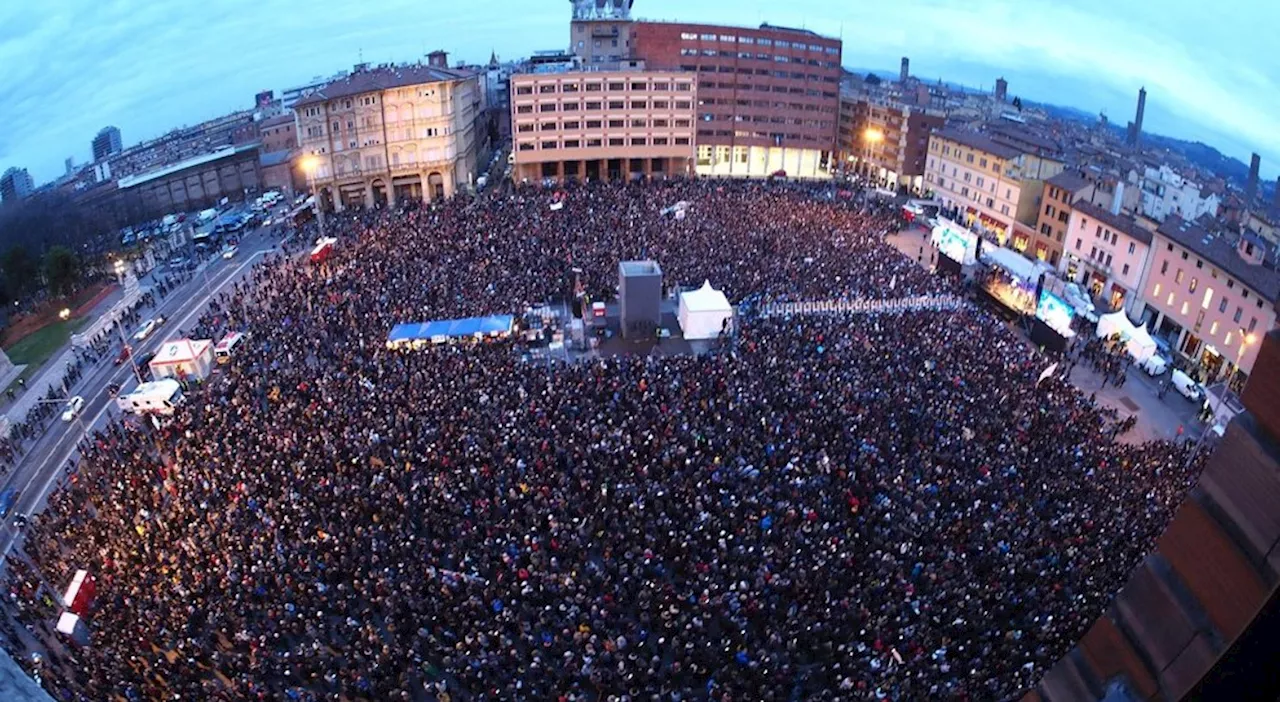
[435, 185]
[407, 188]
[379, 193]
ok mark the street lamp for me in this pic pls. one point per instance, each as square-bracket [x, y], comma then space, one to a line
[311, 164]
[872, 137]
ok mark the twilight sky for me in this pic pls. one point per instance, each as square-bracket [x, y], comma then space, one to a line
[71, 67]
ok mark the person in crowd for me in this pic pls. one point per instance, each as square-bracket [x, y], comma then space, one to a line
[825, 508]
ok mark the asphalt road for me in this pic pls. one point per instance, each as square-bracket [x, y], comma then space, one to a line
[42, 466]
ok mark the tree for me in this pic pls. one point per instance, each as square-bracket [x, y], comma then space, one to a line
[872, 79]
[61, 270]
[21, 274]
[1017, 104]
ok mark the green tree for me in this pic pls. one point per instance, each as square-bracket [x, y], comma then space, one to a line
[61, 270]
[21, 274]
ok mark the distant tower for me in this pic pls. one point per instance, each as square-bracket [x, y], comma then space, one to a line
[1251, 187]
[905, 71]
[1275, 197]
[1135, 132]
[1002, 89]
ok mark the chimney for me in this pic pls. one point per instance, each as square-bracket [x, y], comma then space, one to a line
[1117, 199]
[438, 59]
[905, 71]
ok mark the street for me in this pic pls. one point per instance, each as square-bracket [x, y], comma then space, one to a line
[40, 468]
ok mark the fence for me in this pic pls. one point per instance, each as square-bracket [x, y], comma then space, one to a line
[922, 303]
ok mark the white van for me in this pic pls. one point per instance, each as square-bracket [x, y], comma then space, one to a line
[1155, 365]
[157, 397]
[1187, 387]
[227, 347]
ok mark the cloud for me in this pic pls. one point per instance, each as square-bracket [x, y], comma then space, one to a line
[74, 66]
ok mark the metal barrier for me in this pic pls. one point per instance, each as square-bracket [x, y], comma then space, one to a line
[920, 303]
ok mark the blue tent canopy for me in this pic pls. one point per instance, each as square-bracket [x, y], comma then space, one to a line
[451, 328]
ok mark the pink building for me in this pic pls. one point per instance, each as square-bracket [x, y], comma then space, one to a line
[1107, 254]
[1212, 295]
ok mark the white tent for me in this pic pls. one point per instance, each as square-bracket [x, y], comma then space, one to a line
[703, 312]
[1138, 342]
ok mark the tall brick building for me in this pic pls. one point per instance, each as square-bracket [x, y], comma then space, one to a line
[768, 97]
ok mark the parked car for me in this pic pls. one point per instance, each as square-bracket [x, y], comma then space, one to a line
[7, 499]
[143, 364]
[179, 263]
[230, 251]
[145, 330]
[74, 405]
[123, 355]
[1187, 387]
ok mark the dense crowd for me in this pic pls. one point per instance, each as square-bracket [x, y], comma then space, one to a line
[882, 506]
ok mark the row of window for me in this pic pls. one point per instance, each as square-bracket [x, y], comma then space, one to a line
[989, 185]
[706, 69]
[968, 156]
[760, 41]
[741, 102]
[767, 119]
[1204, 305]
[598, 86]
[595, 105]
[975, 195]
[638, 123]
[597, 142]
[749, 56]
[775, 137]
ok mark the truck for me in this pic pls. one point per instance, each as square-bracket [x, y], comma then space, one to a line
[162, 397]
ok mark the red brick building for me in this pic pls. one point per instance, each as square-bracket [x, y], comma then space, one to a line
[279, 138]
[768, 98]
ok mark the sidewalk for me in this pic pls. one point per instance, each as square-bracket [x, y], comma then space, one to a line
[1157, 418]
[52, 372]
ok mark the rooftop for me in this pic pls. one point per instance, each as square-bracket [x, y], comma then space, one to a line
[382, 78]
[1069, 180]
[276, 121]
[1120, 223]
[1221, 251]
[764, 27]
[981, 142]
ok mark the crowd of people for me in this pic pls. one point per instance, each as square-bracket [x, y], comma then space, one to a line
[863, 507]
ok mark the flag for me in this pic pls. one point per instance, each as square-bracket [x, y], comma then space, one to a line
[1047, 372]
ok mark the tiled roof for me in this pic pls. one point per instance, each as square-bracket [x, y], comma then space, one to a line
[1218, 250]
[1119, 223]
[1070, 180]
[981, 142]
[276, 121]
[374, 79]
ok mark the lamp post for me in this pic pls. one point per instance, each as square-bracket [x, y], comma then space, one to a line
[311, 163]
[1246, 340]
[872, 137]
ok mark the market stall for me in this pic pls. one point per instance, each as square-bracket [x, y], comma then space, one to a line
[703, 312]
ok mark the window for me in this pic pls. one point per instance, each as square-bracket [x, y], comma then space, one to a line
[570, 88]
[594, 143]
[1213, 329]
[1253, 323]
[616, 141]
[1164, 267]
[684, 87]
[1155, 292]
[639, 123]
[1078, 243]
[594, 87]
[1227, 340]
[684, 123]
[548, 126]
[524, 109]
[688, 36]
[638, 141]
[1108, 259]
[1169, 301]
[594, 124]
[1125, 270]
[1184, 308]
[746, 40]
[524, 90]
[1239, 312]
[728, 37]
[764, 42]
[682, 141]
[524, 128]
[550, 144]
[982, 163]
[594, 104]
[1199, 263]
[1208, 298]
[617, 123]
[1194, 283]
[660, 141]
[661, 105]
[570, 107]
[640, 86]
[661, 87]
[528, 146]
[1132, 247]
[617, 104]
[571, 143]
[547, 107]
[639, 105]
[707, 37]
[547, 89]
[1222, 306]
[572, 125]
[1177, 278]
[1184, 255]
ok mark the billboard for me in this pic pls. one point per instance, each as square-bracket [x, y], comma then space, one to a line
[955, 242]
[1055, 312]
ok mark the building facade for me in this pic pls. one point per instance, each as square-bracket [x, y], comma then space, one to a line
[106, 143]
[1060, 194]
[768, 97]
[989, 183]
[1165, 192]
[383, 134]
[15, 184]
[277, 152]
[602, 124]
[1212, 296]
[600, 32]
[1108, 255]
[886, 140]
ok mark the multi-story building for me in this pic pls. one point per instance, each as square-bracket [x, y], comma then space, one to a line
[392, 132]
[990, 183]
[15, 184]
[279, 145]
[768, 97]
[602, 124]
[1060, 194]
[1107, 253]
[107, 143]
[1166, 192]
[1212, 295]
[886, 140]
[600, 32]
